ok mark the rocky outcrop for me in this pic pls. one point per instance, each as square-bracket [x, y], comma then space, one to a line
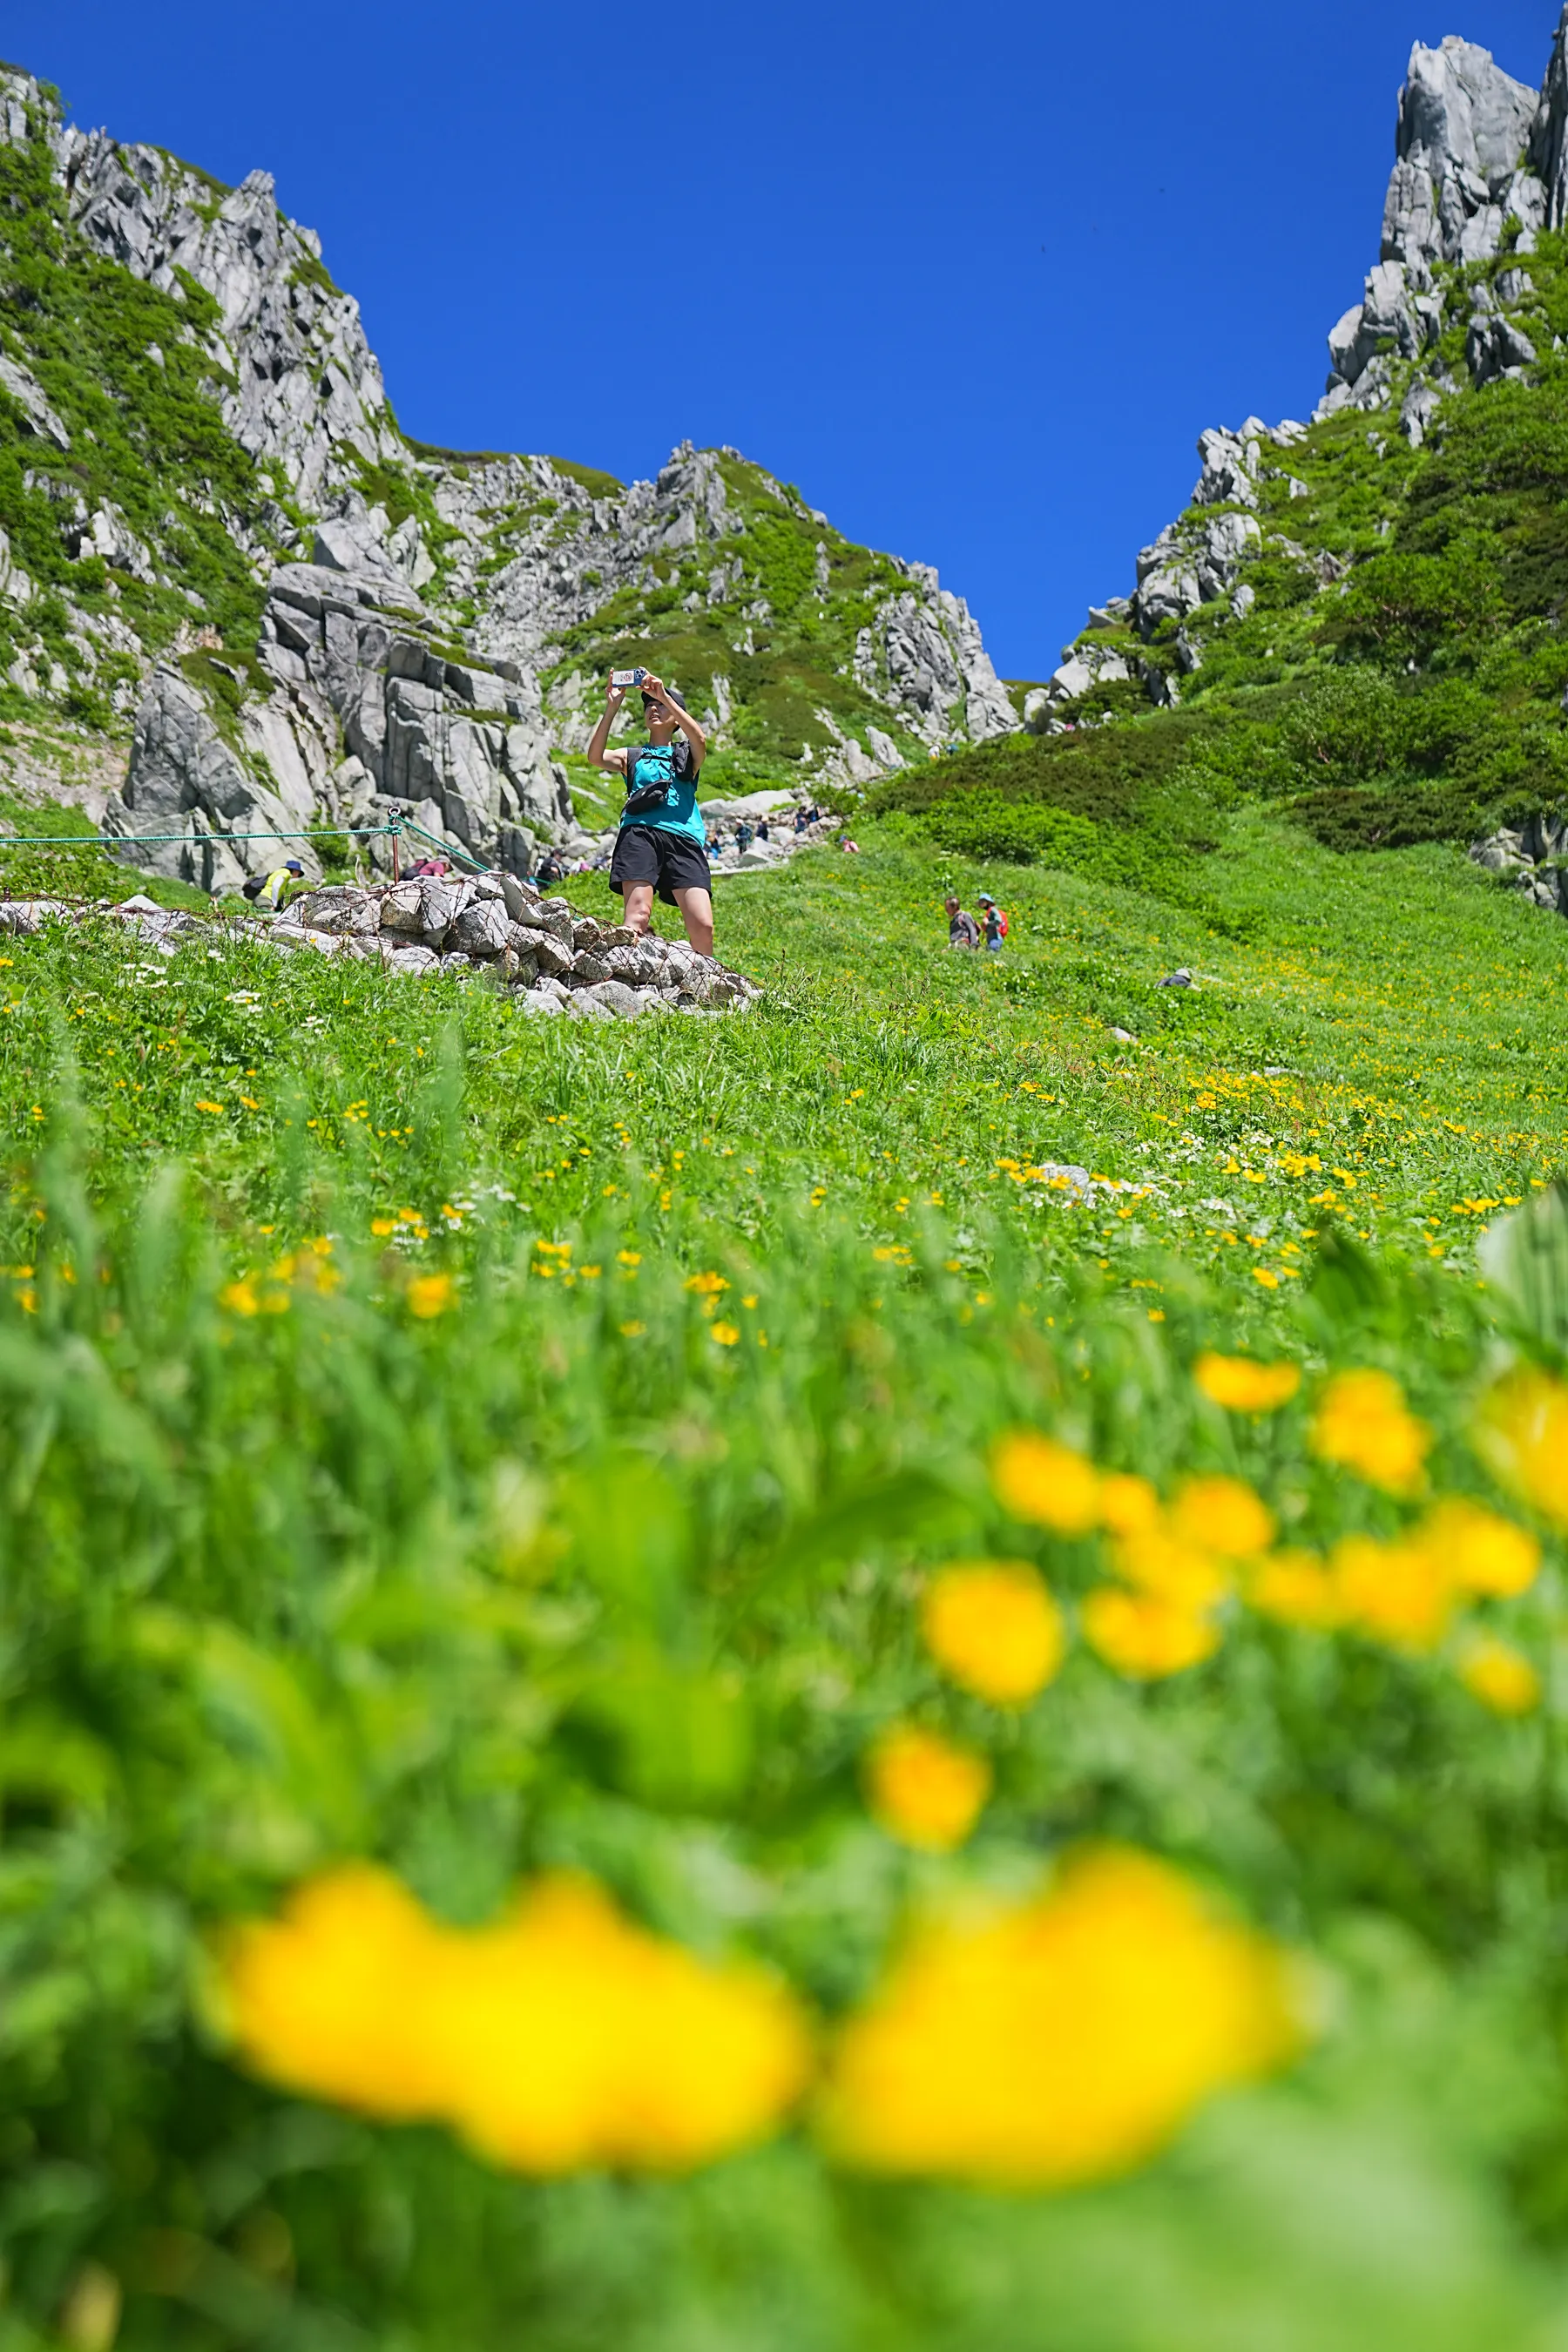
[357, 659]
[1480, 157]
[1532, 857]
[190, 798]
[307, 390]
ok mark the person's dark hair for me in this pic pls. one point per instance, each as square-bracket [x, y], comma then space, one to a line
[671, 694]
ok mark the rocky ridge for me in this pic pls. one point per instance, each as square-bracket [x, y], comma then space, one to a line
[1481, 171]
[427, 625]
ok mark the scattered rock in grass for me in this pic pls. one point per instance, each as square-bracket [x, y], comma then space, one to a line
[1180, 978]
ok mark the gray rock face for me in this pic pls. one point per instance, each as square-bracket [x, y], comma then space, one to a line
[1533, 860]
[185, 781]
[1496, 347]
[1464, 125]
[307, 385]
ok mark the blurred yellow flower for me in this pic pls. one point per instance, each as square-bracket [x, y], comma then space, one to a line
[1060, 2040]
[239, 1297]
[318, 2000]
[1297, 1589]
[580, 2039]
[993, 1626]
[1364, 1424]
[381, 1226]
[1479, 1551]
[1243, 1386]
[430, 1295]
[1522, 1435]
[1035, 1479]
[1160, 1563]
[1500, 1676]
[562, 2035]
[1127, 1504]
[726, 1334]
[1399, 1592]
[925, 1791]
[1223, 1514]
[1146, 1636]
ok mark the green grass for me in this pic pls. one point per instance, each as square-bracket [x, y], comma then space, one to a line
[290, 1573]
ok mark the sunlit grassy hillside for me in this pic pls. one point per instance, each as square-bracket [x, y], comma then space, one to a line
[487, 1448]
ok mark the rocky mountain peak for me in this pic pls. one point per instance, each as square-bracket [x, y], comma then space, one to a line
[1481, 171]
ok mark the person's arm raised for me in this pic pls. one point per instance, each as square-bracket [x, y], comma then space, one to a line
[688, 725]
[615, 761]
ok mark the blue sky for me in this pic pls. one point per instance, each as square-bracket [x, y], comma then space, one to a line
[974, 277]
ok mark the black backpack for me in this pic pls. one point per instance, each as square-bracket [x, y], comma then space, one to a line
[641, 797]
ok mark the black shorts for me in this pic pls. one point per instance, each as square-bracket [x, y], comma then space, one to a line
[649, 853]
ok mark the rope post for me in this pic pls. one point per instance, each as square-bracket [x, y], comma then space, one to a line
[395, 818]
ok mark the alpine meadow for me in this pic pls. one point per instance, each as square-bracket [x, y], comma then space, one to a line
[844, 1648]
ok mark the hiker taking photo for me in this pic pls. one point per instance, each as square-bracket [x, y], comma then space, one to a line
[662, 843]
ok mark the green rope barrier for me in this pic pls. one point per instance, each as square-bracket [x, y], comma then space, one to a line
[446, 848]
[111, 840]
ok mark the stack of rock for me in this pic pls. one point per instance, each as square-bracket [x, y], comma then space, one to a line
[556, 962]
[559, 961]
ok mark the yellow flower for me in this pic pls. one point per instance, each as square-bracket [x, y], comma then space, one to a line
[313, 1999]
[217, 1108]
[1146, 1636]
[1479, 1551]
[1037, 1480]
[993, 1626]
[1223, 1514]
[1298, 1590]
[429, 1294]
[726, 1334]
[381, 1226]
[1364, 1424]
[633, 1330]
[925, 1791]
[580, 2039]
[1522, 1434]
[707, 1286]
[1243, 1386]
[1060, 2040]
[239, 1297]
[1500, 1676]
[1399, 1592]
[562, 2035]
[1128, 1505]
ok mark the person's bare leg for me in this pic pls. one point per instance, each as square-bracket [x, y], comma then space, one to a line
[638, 916]
[697, 913]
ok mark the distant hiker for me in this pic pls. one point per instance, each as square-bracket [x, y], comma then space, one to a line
[551, 869]
[276, 889]
[963, 930]
[762, 828]
[661, 843]
[433, 866]
[850, 848]
[743, 836]
[995, 923]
